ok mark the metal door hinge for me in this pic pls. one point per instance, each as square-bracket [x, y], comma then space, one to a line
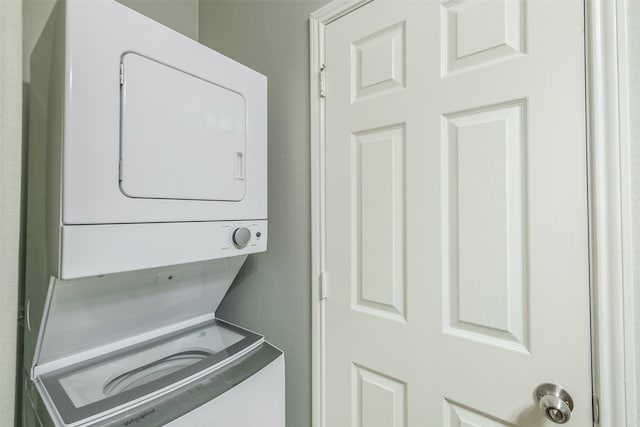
[323, 81]
[121, 74]
[596, 410]
[21, 315]
[324, 286]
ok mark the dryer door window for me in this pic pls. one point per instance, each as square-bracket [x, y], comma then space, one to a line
[182, 137]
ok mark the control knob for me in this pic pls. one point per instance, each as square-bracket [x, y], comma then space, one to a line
[241, 237]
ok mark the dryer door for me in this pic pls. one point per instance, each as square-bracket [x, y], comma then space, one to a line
[182, 137]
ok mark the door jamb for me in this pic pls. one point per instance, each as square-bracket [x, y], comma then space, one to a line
[610, 242]
[610, 247]
[318, 20]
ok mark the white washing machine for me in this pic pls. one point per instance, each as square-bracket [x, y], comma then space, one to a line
[144, 348]
[209, 374]
[147, 190]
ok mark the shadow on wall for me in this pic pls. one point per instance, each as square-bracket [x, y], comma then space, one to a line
[21, 272]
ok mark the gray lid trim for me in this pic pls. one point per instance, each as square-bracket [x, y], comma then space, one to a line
[174, 405]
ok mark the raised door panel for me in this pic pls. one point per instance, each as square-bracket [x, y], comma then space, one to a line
[485, 234]
[476, 33]
[456, 415]
[379, 217]
[378, 62]
[377, 399]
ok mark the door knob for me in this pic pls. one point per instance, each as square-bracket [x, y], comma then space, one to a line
[554, 402]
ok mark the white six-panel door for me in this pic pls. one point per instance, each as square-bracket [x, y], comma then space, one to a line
[456, 213]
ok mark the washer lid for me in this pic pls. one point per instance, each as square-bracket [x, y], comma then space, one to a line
[90, 316]
[107, 384]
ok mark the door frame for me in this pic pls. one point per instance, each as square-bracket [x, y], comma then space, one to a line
[610, 240]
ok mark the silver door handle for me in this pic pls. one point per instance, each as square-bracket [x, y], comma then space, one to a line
[554, 402]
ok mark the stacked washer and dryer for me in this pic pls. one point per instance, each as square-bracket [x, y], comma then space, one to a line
[147, 190]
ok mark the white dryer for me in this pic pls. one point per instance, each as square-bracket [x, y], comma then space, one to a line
[147, 190]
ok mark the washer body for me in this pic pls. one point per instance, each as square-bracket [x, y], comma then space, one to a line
[203, 375]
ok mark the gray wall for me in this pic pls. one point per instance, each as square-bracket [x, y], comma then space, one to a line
[10, 152]
[272, 293]
[181, 15]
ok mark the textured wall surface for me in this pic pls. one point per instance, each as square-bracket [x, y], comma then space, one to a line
[10, 182]
[34, 17]
[272, 293]
[181, 15]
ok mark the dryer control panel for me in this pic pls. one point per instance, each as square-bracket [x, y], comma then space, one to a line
[119, 249]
